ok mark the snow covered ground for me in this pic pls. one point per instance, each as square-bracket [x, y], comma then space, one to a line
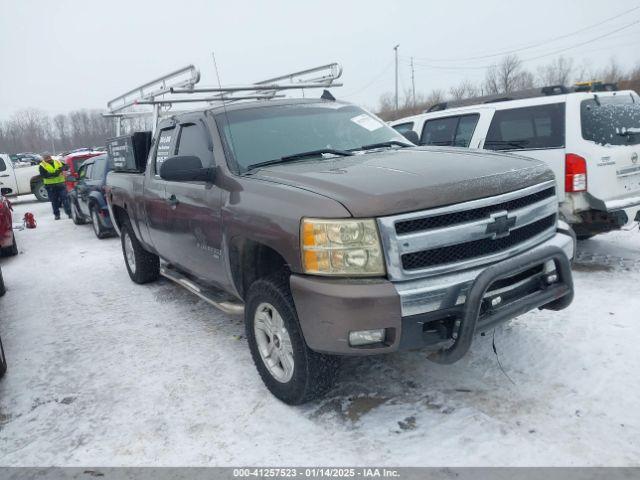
[106, 372]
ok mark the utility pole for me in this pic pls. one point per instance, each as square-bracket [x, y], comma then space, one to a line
[413, 83]
[396, 52]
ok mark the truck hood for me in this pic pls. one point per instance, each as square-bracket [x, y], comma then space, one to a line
[389, 182]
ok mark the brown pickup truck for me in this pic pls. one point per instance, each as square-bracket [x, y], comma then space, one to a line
[337, 236]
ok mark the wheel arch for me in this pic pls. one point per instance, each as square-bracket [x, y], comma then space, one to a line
[120, 215]
[250, 260]
[34, 180]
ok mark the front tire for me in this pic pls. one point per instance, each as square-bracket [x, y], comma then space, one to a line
[40, 191]
[290, 370]
[585, 236]
[75, 214]
[143, 266]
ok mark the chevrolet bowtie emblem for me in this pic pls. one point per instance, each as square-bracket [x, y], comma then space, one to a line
[501, 225]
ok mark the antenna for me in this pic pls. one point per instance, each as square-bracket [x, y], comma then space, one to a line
[224, 106]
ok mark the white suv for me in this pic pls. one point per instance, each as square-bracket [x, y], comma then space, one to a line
[591, 140]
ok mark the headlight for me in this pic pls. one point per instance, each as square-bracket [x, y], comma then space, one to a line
[341, 247]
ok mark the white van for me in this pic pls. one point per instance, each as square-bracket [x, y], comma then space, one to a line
[591, 140]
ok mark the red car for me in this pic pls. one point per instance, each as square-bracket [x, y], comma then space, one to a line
[8, 245]
[73, 162]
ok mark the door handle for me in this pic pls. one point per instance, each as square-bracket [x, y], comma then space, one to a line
[172, 201]
[5, 175]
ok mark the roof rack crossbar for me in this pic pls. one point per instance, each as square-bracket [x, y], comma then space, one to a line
[183, 77]
[208, 99]
[253, 88]
[333, 72]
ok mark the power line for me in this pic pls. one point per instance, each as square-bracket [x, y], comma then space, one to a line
[533, 45]
[375, 79]
[555, 52]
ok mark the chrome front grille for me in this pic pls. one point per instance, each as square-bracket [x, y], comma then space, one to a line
[468, 234]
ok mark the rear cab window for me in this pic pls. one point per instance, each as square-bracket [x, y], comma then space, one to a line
[455, 131]
[527, 128]
[611, 120]
[164, 147]
[3, 167]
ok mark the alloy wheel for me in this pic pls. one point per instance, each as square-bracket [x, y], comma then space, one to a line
[129, 252]
[274, 342]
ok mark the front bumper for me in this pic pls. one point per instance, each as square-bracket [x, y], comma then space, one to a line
[423, 312]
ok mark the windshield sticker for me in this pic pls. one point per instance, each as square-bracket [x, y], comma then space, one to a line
[365, 121]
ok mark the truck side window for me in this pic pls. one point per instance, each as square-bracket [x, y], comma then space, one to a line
[403, 127]
[192, 141]
[450, 131]
[440, 131]
[82, 172]
[464, 132]
[3, 167]
[527, 128]
[163, 149]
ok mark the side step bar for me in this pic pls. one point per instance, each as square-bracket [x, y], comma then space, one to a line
[217, 298]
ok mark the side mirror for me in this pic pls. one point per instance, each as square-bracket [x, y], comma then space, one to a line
[6, 191]
[412, 136]
[185, 168]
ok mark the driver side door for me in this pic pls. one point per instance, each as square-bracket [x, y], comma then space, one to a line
[195, 207]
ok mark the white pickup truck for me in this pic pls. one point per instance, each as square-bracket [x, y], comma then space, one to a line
[22, 179]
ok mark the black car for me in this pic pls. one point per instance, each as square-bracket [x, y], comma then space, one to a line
[88, 203]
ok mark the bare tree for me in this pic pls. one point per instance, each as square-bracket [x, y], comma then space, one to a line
[464, 89]
[612, 73]
[31, 130]
[557, 72]
[507, 76]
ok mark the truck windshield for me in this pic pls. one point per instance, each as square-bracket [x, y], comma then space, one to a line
[263, 134]
[611, 120]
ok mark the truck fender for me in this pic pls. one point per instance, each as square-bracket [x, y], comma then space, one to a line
[97, 198]
[249, 259]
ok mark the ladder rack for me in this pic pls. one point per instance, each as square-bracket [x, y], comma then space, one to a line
[160, 93]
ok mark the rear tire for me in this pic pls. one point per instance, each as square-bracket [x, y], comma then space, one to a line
[290, 370]
[12, 250]
[100, 230]
[143, 266]
[40, 191]
[3, 361]
[3, 290]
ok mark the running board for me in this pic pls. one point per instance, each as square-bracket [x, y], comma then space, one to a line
[217, 298]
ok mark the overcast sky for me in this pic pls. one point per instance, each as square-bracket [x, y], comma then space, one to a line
[63, 55]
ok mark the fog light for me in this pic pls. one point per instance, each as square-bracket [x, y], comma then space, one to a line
[495, 301]
[553, 278]
[366, 337]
